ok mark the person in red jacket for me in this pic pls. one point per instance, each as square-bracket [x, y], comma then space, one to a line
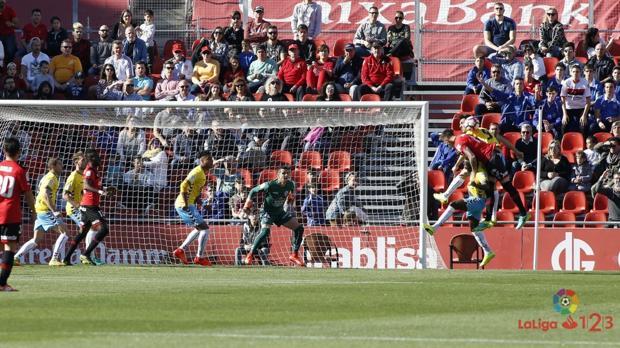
[293, 73]
[377, 74]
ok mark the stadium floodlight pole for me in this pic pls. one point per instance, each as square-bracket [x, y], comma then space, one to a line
[423, 177]
[537, 191]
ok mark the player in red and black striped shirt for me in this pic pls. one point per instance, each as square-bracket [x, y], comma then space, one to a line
[13, 183]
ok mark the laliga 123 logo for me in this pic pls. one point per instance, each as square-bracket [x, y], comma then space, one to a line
[566, 302]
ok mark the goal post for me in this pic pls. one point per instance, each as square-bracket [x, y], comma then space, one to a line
[149, 148]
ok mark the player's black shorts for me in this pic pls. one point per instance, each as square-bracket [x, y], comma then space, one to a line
[10, 233]
[91, 216]
[496, 167]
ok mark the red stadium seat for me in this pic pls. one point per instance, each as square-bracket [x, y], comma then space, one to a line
[580, 50]
[310, 160]
[572, 142]
[574, 202]
[512, 137]
[564, 216]
[267, 175]
[345, 97]
[280, 158]
[396, 65]
[548, 203]
[299, 177]
[469, 102]
[509, 205]
[455, 196]
[614, 49]
[456, 122]
[437, 180]
[258, 96]
[504, 215]
[338, 49]
[247, 177]
[462, 249]
[310, 97]
[602, 136]
[370, 98]
[330, 181]
[582, 60]
[489, 118]
[600, 203]
[524, 181]
[547, 138]
[595, 216]
[339, 160]
[290, 97]
[550, 63]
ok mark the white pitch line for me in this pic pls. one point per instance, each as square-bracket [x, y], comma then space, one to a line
[358, 338]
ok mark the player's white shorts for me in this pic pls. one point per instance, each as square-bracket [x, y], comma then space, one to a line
[46, 221]
[191, 217]
[475, 206]
[76, 217]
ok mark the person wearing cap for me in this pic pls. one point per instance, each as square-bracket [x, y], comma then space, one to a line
[31, 63]
[370, 32]
[75, 89]
[63, 67]
[307, 12]
[377, 74]
[81, 46]
[100, 50]
[123, 66]
[261, 69]
[293, 73]
[134, 47]
[256, 30]
[205, 72]
[347, 71]
[183, 67]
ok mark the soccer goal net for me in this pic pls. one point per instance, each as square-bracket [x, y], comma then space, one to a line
[355, 167]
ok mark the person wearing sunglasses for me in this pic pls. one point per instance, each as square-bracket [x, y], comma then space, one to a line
[370, 32]
[184, 89]
[63, 67]
[219, 47]
[240, 91]
[307, 12]
[528, 147]
[399, 38]
[233, 34]
[100, 50]
[488, 102]
[168, 87]
[499, 32]
[275, 48]
[256, 30]
[552, 38]
[182, 67]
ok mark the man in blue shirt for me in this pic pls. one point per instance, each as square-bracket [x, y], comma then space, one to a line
[511, 67]
[347, 70]
[445, 156]
[517, 107]
[314, 207]
[556, 80]
[473, 86]
[551, 108]
[606, 110]
[596, 88]
[499, 32]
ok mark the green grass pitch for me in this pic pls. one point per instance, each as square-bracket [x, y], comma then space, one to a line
[286, 307]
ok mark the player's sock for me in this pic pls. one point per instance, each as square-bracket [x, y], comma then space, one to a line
[59, 245]
[482, 241]
[512, 191]
[190, 238]
[29, 245]
[101, 234]
[454, 184]
[264, 233]
[495, 205]
[203, 237]
[73, 245]
[444, 217]
[6, 266]
[297, 237]
[90, 236]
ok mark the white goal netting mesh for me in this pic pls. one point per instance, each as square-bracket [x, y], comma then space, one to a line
[148, 151]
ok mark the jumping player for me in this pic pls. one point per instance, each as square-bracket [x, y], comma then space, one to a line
[277, 193]
[13, 183]
[90, 212]
[48, 219]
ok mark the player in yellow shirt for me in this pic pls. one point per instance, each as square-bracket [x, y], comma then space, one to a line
[185, 205]
[47, 215]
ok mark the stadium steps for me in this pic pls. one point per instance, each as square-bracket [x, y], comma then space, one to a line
[172, 19]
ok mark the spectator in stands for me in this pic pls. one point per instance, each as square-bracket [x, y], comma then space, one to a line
[473, 85]
[531, 85]
[137, 185]
[246, 56]
[76, 89]
[221, 143]
[569, 56]
[146, 33]
[596, 88]
[241, 91]
[8, 23]
[186, 146]
[167, 87]
[370, 32]
[273, 91]
[181, 67]
[377, 74]
[129, 91]
[606, 110]
[100, 50]
[320, 71]
[497, 83]
[81, 46]
[494, 128]
[156, 161]
[11, 71]
[43, 76]
[31, 30]
[233, 34]
[64, 66]
[205, 72]
[219, 47]
[445, 156]
[307, 47]
[231, 73]
[308, 13]
[142, 83]
[528, 147]
[123, 66]
[261, 69]
[109, 87]
[313, 207]
[293, 73]
[275, 49]
[575, 96]
[134, 47]
[559, 77]
[555, 170]
[55, 37]
[10, 90]
[44, 92]
[164, 123]
[125, 21]
[499, 32]
[346, 206]
[328, 93]
[601, 63]
[531, 56]
[593, 156]
[250, 231]
[31, 63]
[184, 92]
[517, 107]
[610, 155]
[347, 71]
[609, 186]
[237, 200]
[592, 39]
[256, 30]
[581, 175]
[551, 108]
[131, 141]
[214, 92]
[399, 38]
[552, 38]
[512, 67]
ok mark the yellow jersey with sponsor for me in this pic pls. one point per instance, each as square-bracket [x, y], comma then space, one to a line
[481, 180]
[193, 184]
[48, 186]
[75, 186]
[484, 135]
